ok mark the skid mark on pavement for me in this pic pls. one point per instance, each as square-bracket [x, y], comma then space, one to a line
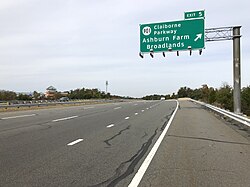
[121, 172]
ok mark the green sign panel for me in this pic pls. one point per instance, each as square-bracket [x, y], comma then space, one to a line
[172, 36]
[194, 14]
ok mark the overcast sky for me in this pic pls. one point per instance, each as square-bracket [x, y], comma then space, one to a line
[72, 44]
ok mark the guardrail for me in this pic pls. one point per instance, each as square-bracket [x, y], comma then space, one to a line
[54, 103]
[229, 114]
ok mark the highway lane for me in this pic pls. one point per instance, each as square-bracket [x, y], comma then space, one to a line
[200, 150]
[106, 144]
[99, 146]
[15, 120]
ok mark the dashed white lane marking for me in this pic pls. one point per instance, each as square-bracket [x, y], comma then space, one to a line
[136, 113]
[142, 110]
[75, 142]
[126, 118]
[21, 116]
[111, 125]
[117, 108]
[138, 176]
[63, 119]
[89, 107]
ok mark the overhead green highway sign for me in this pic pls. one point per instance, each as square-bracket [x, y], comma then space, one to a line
[172, 36]
[194, 14]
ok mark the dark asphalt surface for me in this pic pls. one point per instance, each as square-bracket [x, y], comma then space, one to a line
[34, 150]
[199, 148]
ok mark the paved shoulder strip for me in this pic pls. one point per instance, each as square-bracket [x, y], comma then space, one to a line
[138, 176]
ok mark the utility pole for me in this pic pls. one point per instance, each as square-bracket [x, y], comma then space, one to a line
[236, 69]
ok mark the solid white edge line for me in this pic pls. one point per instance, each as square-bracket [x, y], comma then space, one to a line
[21, 116]
[62, 119]
[117, 108]
[138, 176]
[75, 142]
[111, 125]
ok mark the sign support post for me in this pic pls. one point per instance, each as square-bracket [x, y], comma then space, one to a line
[230, 33]
[236, 70]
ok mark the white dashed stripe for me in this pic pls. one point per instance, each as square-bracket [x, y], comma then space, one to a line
[75, 142]
[63, 119]
[22, 116]
[111, 125]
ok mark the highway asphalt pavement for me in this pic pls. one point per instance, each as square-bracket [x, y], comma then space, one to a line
[96, 145]
[105, 145]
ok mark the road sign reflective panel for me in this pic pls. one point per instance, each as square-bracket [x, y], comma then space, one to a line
[194, 14]
[172, 36]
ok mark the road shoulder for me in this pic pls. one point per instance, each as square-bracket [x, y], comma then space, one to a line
[199, 150]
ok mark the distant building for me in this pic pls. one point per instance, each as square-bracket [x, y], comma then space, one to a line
[50, 92]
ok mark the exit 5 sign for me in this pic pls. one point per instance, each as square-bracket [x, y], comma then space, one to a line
[194, 14]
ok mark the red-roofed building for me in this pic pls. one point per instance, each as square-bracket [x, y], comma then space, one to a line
[50, 92]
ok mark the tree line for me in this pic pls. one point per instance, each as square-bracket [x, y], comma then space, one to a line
[88, 94]
[80, 93]
[221, 97]
[11, 96]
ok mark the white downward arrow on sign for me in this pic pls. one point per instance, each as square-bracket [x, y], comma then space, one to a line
[198, 36]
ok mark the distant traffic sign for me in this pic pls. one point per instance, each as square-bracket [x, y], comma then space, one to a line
[194, 14]
[172, 36]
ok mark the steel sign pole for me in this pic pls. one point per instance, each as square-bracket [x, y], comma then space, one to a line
[230, 33]
[236, 70]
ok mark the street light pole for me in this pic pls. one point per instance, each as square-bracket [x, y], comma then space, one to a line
[107, 87]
